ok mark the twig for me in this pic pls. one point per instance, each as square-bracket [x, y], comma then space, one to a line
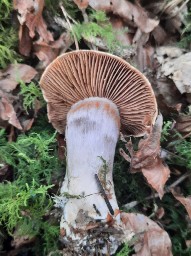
[104, 195]
[167, 190]
[67, 17]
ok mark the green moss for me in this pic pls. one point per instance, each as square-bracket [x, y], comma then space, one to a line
[8, 43]
[14, 201]
[166, 130]
[98, 26]
[32, 155]
[30, 94]
[183, 150]
[6, 7]
[125, 251]
[25, 203]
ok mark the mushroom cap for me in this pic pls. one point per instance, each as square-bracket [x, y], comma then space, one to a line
[81, 74]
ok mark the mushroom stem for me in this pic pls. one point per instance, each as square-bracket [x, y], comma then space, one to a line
[88, 191]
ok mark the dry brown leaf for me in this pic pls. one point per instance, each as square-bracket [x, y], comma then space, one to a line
[160, 213]
[45, 53]
[144, 57]
[118, 24]
[23, 8]
[183, 124]
[27, 124]
[149, 148]
[30, 13]
[48, 52]
[10, 77]
[150, 238]
[147, 158]
[186, 201]
[7, 113]
[157, 175]
[61, 146]
[159, 35]
[130, 12]
[25, 41]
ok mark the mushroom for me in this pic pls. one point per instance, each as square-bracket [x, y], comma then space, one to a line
[91, 95]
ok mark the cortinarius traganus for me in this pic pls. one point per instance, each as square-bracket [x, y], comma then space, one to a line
[90, 95]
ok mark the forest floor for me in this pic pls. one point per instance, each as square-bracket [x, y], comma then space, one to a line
[155, 38]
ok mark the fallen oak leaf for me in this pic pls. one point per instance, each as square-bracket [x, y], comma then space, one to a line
[186, 201]
[150, 239]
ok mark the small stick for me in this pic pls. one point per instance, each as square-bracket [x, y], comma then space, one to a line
[104, 195]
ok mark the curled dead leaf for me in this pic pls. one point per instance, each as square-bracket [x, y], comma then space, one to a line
[25, 41]
[27, 124]
[183, 124]
[7, 113]
[147, 158]
[150, 239]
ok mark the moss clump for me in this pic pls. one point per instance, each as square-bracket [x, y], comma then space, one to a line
[26, 203]
[30, 93]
